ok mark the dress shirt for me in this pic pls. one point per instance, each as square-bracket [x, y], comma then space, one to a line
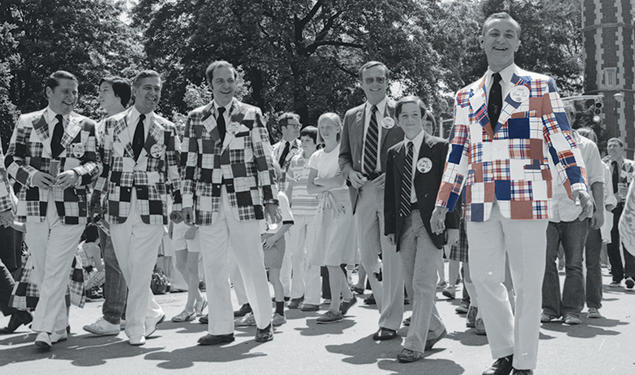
[381, 107]
[51, 121]
[417, 141]
[133, 119]
[506, 77]
[226, 114]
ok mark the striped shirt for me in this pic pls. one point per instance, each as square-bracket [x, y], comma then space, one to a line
[302, 203]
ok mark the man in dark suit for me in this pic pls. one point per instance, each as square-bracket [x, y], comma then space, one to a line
[413, 174]
[369, 130]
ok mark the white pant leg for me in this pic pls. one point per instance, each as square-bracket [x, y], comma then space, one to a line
[286, 268]
[53, 267]
[237, 281]
[487, 269]
[136, 246]
[526, 254]
[154, 310]
[298, 250]
[368, 231]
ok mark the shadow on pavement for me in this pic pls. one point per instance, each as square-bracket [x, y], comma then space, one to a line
[314, 329]
[424, 366]
[366, 350]
[467, 338]
[186, 357]
[588, 329]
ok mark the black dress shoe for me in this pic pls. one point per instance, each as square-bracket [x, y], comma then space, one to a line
[265, 334]
[385, 334]
[244, 310]
[370, 300]
[203, 319]
[523, 372]
[346, 305]
[18, 318]
[502, 366]
[216, 339]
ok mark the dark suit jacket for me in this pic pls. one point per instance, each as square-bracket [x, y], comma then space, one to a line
[353, 140]
[426, 187]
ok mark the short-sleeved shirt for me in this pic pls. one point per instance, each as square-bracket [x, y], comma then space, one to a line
[564, 209]
[326, 164]
[302, 203]
[285, 212]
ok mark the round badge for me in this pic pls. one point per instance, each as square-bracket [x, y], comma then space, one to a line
[359, 116]
[157, 150]
[424, 165]
[519, 93]
[388, 122]
[78, 150]
[233, 127]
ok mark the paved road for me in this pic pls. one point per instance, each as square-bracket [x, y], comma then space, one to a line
[599, 346]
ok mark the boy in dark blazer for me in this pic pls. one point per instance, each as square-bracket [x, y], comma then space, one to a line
[413, 174]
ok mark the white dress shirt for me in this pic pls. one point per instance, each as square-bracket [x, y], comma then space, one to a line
[506, 77]
[133, 119]
[51, 121]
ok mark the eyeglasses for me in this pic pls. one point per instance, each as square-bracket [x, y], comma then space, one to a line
[371, 80]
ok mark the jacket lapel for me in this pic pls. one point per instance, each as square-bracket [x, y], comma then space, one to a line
[155, 135]
[235, 115]
[42, 129]
[479, 106]
[209, 119]
[71, 130]
[120, 131]
[509, 104]
[389, 111]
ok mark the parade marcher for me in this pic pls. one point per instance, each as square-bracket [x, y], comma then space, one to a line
[141, 167]
[228, 187]
[114, 96]
[369, 131]
[186, 247]
[53, 155]
[506, 125]
[413, 173]
[333, 238]
[627, 221]
[622, 174]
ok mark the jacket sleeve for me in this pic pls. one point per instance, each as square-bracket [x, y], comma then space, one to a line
[5, 192]
[345, 156]
[91, 165]
[173, 167]
[262, 157]
[18, 152]
[104, 147]
[189, 162]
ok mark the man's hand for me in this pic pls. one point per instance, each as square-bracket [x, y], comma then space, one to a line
[380, 181]
[176, 216]
[597, 220]
[453, 237]
[269, 242]
[437, 221]
[585, 203]
[391, 238]
[6, 218]
[357, 179]
[42, 180]
[272, 213]
[66, 179]
[188, 215]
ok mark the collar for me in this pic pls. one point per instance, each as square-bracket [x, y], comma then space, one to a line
[216, 106]
[381, 107]
[49, 116]
[416, 140]
[134, 117]
[506, 74]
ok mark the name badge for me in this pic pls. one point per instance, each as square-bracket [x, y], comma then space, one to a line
[519, 93]
[424, 165]
[157, 150]
[388, 123]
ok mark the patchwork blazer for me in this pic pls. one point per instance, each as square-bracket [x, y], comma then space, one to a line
[242, 163]
[5, 191]
[352, 143]
[153, 176]
[30, 151]
[511, 161]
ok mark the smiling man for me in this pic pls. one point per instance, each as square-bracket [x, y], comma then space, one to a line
[509, 126]
[53, 155]
[141, 167]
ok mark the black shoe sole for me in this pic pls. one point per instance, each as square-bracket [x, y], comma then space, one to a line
[630, 283]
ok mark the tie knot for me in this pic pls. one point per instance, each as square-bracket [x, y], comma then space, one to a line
[60, 118]
[221, 111]
[497, 77]
[142, 117]
[373, 109]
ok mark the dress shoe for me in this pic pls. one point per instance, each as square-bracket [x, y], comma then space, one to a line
[248, 320]
[548, 318]
[295, 303]
[244, 310]
[151, 324]
[479, 327]
[502, 366]
[102, 327]
[18, 318]
[210, 339]
[346, 305]
[184, 316]
[265, 334]
[406, 322]
[594, 313]
[472, 312]
[370, 300]
[330, 317]
[630, 283]
[137, 340]
[431, 341]
[278, 319]
[407, 356]
[43, 341]
[449, 291]
[572, 319]
[462, 308]
[309, 307]
[523, 372]
[203, 319]
[385, 334]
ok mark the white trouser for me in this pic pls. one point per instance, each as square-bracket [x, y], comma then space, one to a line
[136, 246]
[52, 245]
[370, 226]
[237, 281]
[525, 243]
[296, 253]
[243, 238]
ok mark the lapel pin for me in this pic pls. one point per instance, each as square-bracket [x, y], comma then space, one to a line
[424, 165]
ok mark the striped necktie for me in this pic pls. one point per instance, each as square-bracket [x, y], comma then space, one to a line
[406, 183]
[370, 143]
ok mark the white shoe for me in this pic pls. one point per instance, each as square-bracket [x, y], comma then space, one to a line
[57, 337]
[200, 306]
[102, 327]
[594, 313]
[43, 341]
[151, 325]
[246, 321]
[137, 341]
[278, 320]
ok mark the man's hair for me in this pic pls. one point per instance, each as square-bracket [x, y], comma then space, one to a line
[310, 131]
[284, 118]
[209, 72]
[136, 81]
[121, 88]
[372, 64]
[569, 110]
[588, 133]
[410, 99]
[501, 16]
[334, 118]
[614, 139]
[54, 79]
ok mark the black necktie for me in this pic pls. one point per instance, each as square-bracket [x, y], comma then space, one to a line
[370, 143]
[56, 140]
[495, 100]
[138, 140]
[284, 154]
[220, 123]
[405, 206]
[616, 175]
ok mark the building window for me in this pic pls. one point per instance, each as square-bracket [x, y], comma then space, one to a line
[609, 76]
